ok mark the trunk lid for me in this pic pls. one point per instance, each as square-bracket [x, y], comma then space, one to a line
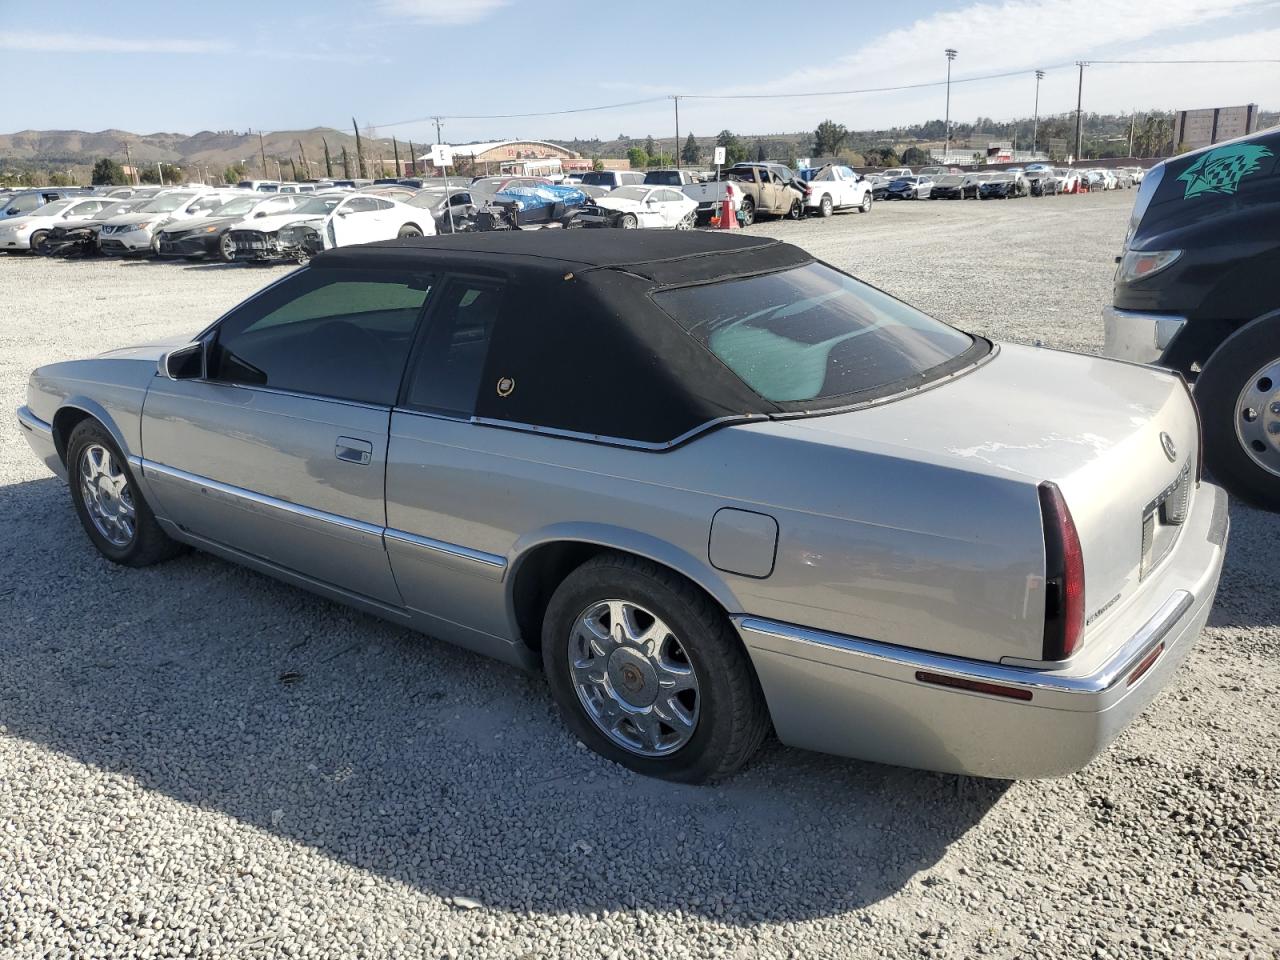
[1121, 441]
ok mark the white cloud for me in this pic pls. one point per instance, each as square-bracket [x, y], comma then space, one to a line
[442, 12]
[35, 42]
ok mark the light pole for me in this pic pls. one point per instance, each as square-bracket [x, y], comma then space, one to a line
[1079, 99]
[1035, 124]
[951, 55]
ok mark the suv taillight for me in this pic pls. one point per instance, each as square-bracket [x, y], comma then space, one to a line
[1064, 576]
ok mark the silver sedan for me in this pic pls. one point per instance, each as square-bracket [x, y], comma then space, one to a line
[710, 485]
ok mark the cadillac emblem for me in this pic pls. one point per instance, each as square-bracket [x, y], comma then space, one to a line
[1170, 450]
[505, 386]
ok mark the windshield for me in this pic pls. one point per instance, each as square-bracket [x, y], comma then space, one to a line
[629, 193]
[166, 204]
[598, 178]
[666, 178]
[317, 205]
[812, 333]
[50, 209]
[236, 207]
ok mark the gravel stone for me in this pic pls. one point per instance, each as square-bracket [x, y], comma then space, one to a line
[163, 794]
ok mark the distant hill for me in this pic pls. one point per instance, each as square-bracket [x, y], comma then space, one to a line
[77, 150]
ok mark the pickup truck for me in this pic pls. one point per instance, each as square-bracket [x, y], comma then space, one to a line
[837, 187]
[757, 188]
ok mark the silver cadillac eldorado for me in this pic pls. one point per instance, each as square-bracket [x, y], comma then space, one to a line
[709, 483]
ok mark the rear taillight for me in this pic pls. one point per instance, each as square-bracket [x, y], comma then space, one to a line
[1064, 576]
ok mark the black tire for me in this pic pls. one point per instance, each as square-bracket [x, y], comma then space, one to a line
[866, 203]
[628, 221]
[1218, 389]
[37, 241]
[826, 207]
[226, 249]
[409, 230]
[149, 544]
[732, 717]
[796, 211]
[747, 212]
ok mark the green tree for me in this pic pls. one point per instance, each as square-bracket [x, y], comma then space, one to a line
[60, 179]
[914, 156]
[638, 158]
[829, 138]
[734, 151]
[880, 157]
[761, 153]
[597, 164]
[690, 154]
[234, 173]
[650, 148]
[106, 172]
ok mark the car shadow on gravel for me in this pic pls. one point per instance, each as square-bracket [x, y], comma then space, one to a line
[419, 762]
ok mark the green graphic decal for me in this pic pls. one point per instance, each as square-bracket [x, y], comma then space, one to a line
[1219, 171]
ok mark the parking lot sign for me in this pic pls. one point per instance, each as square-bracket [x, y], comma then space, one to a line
[442, 155]
[719, 156]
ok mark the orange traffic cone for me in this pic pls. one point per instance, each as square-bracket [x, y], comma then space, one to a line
[728, 219]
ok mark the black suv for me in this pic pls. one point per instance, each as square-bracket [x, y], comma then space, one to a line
[1198, 290]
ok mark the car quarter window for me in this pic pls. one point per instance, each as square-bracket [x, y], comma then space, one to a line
[360, 205]
[446, 368]
[334, 333]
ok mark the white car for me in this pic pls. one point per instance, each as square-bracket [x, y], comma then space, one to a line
[133, 234]
[28, 232]
[327, 220]
[837, 187]
[893, 173]
[640, 206]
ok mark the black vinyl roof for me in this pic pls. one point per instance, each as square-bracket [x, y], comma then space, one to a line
[552, 250]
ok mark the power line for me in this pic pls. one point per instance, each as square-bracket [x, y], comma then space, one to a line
[518, 116]
[846, 93]
[1186, 61]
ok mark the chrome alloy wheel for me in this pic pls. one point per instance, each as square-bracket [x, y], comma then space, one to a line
[1258, 417]
[107, 496]
[633, 678]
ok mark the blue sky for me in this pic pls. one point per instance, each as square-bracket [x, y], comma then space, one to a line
[149, 67]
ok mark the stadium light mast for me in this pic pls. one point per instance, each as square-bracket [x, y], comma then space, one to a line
[1035, 124]
[946, 151]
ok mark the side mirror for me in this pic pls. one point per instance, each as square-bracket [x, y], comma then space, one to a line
[341, 213]
[184, 363]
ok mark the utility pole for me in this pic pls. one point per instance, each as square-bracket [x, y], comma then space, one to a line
[438, 121]
[1079, 100]
[128, 158]
[1035, 124]
[676, 149]
[262, 151]
[160, 172]
[951, 55]
[1132, 116]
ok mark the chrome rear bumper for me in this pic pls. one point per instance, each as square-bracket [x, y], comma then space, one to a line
[1138, 337]
[858, 698]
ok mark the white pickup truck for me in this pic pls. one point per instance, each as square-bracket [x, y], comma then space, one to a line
[836, 187]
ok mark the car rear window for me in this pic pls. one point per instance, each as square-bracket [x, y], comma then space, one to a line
[812, 333]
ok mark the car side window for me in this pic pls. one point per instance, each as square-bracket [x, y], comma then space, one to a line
[335, 333]
[360, 205]
[382, 204]
[447, 366]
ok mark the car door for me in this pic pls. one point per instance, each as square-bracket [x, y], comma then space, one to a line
[355, 220]
[277, 447]
[437, 537]
[650, 212]
[672, 210]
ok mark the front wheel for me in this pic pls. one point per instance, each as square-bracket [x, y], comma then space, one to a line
[628, 221]
[866, 203]
[1239, 397]
[108, 502]
[226, 249]
[647, 671]
[38, 241]
[409, 230]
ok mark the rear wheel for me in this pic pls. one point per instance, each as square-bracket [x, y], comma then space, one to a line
[687, 222]
[747, 212]
[1239, 397]
[409, 230]
[796, 212]
[826, 208]
[107, 499]
[648, 672]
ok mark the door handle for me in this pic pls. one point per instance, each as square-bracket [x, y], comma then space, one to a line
[352, 450]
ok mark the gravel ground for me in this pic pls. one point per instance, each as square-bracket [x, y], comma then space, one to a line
[164, 792]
